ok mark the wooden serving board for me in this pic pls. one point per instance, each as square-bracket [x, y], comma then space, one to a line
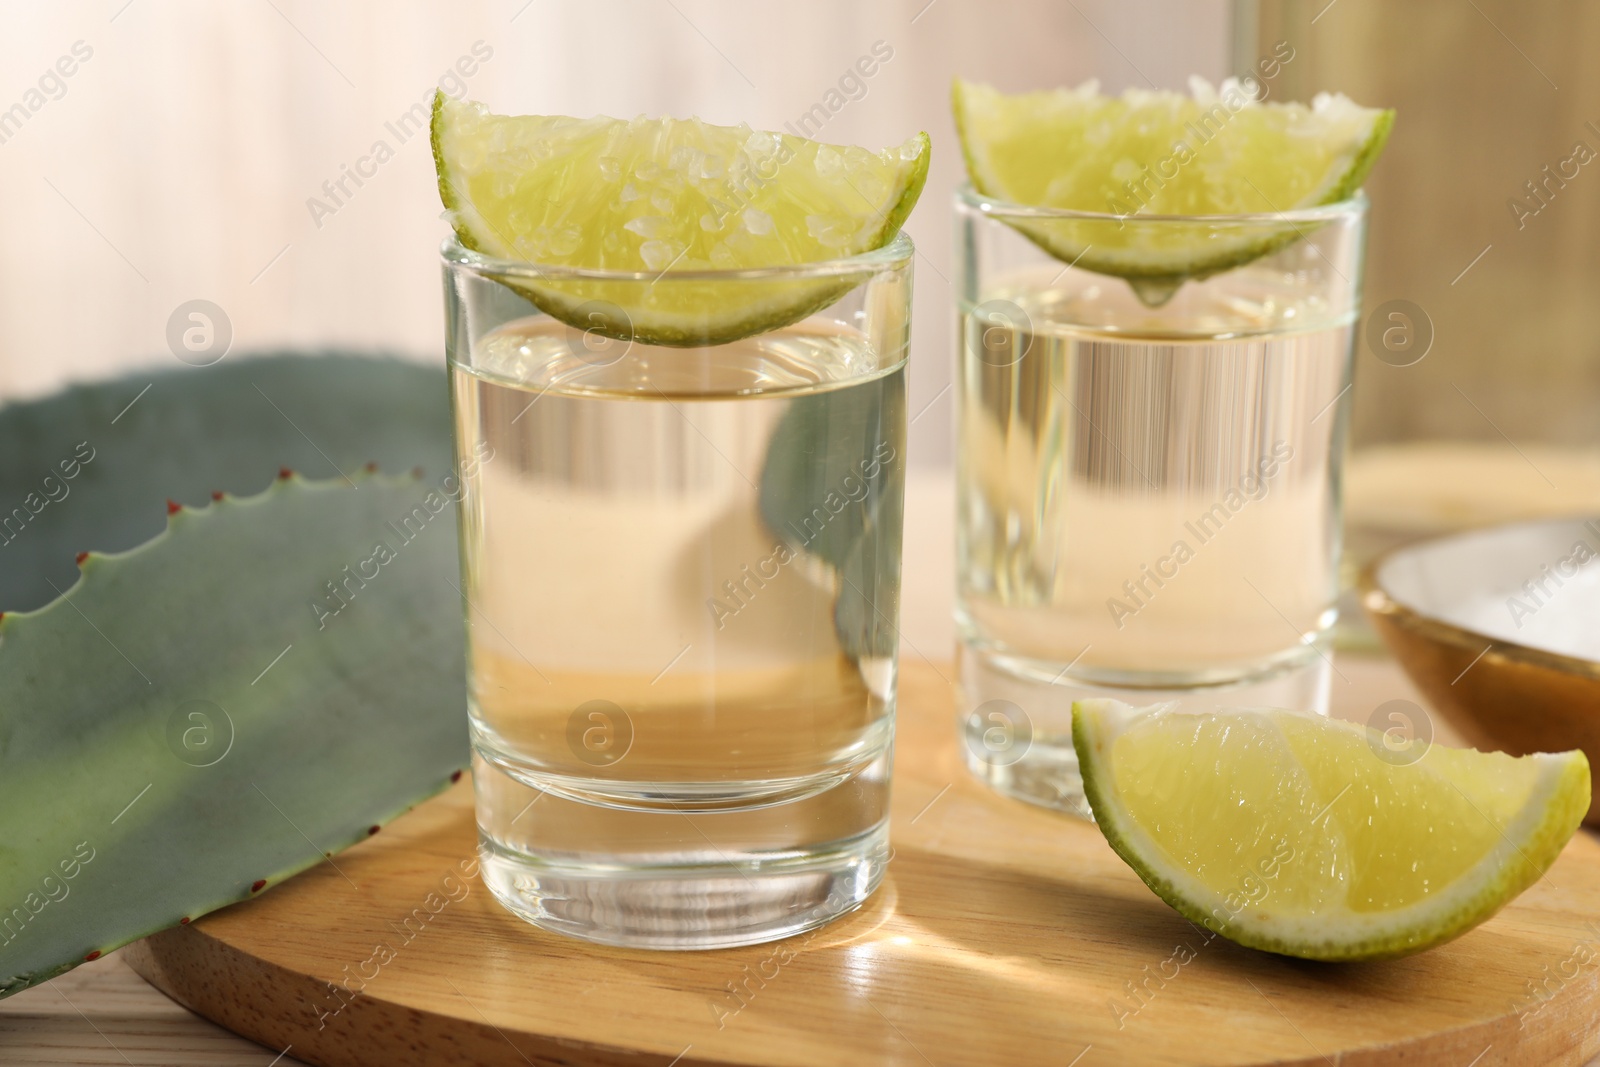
[1004, 934]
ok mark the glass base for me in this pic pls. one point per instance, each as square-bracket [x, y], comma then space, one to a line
[684, 877]
[1016, 730]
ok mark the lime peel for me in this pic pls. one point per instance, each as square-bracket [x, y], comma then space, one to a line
[1291, 833]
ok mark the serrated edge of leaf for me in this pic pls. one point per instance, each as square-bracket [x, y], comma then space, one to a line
[287, 481]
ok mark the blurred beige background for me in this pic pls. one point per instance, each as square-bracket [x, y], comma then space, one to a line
[1485, 213]
[178, 159]
[1489, 94]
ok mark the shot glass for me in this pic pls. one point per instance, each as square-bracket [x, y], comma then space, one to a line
[1148, 474]
[680, 572]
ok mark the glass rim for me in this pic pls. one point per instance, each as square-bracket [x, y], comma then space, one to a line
[891, 256]
[1352, 206]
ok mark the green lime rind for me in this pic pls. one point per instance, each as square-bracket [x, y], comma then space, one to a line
[1531, 843]
[602, 307]
[658, 308]
[916, 179]
[447, 192]
[1188, 251]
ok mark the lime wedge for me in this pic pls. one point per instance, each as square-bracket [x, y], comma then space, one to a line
[663, 199]
[1317, 838]
[1215, 152]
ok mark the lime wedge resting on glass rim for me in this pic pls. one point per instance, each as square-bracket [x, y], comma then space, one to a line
[658, 198]
[1311, 837]
[1217, 151]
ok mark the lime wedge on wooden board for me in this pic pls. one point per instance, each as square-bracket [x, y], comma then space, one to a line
[1317, 838]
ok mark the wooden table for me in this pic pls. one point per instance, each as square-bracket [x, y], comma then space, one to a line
[102, 1013]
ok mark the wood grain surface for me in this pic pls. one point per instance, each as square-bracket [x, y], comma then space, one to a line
[104, 1015]
[1003, 934]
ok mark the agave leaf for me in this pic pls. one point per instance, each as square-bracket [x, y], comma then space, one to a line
[201, 717]
[185, 433]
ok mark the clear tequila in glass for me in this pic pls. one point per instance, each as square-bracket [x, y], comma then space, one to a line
[1148, 493]
[681, 572]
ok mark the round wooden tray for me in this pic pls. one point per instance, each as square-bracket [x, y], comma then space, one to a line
[1004, 934]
